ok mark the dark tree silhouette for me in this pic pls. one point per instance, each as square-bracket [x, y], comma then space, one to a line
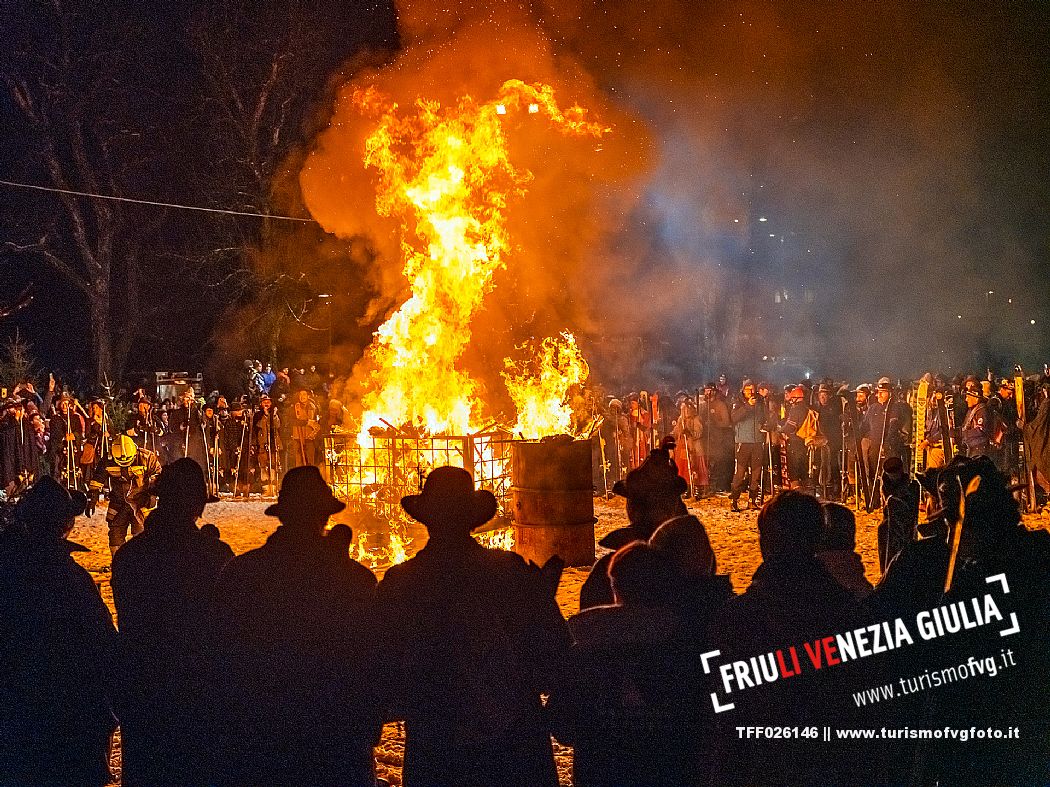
[64, 74]
[267, 74]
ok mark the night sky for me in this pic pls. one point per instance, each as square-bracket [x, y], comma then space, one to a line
[884, 165]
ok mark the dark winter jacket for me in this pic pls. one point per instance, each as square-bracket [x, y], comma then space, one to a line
[162, 584]
[749, 420]
[185, 422]
[475, 635]
[58, 425]
[1037, 439]
[933, 431]
[896, 416]
[632, 703]
[794, 416]
[19, 452]
[791, 601]
[294, 693]
[831, 421]
[977, 430]
[57, 651]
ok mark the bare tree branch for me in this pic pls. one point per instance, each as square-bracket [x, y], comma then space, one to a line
[76, 119]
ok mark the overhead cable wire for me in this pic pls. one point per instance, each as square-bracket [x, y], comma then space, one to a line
[155, 203]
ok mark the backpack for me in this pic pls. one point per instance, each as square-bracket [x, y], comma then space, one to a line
[809, 430]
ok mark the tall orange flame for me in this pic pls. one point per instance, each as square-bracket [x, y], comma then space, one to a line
[446, 175]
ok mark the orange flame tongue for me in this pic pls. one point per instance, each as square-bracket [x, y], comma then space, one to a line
[445, 173]
[540, 386]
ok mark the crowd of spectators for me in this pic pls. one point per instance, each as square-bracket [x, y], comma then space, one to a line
[280, 665]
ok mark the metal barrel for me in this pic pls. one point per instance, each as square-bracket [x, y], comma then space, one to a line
[552, 501]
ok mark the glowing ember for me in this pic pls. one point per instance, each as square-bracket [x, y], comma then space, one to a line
[540, 386]
[445, 173]
[497, 539]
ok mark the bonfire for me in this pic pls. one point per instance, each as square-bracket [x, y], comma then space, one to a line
[445, 174]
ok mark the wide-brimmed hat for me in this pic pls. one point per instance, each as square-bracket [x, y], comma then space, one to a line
[183, 481]
[303, 489]
[45, 510]
[656, 477]
[449, 498]
[884, 384]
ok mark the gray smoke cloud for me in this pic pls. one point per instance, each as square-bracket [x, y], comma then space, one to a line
[892, 149]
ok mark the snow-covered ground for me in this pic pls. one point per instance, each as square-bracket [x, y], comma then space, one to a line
[734, 538]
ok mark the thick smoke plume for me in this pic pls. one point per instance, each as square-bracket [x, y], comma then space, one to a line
[576, 200]
[879, 142]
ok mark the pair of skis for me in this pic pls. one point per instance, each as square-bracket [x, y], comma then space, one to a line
[1027, 472]
[921, 396]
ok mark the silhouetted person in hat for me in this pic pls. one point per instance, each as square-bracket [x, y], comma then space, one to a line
[162, 585]
[57, 650]
[293, 638]
[474, 636]
[654, 495]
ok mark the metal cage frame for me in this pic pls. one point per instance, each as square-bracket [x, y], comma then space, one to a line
[393, 465]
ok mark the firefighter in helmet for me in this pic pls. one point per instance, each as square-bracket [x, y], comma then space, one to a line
[132, 472]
